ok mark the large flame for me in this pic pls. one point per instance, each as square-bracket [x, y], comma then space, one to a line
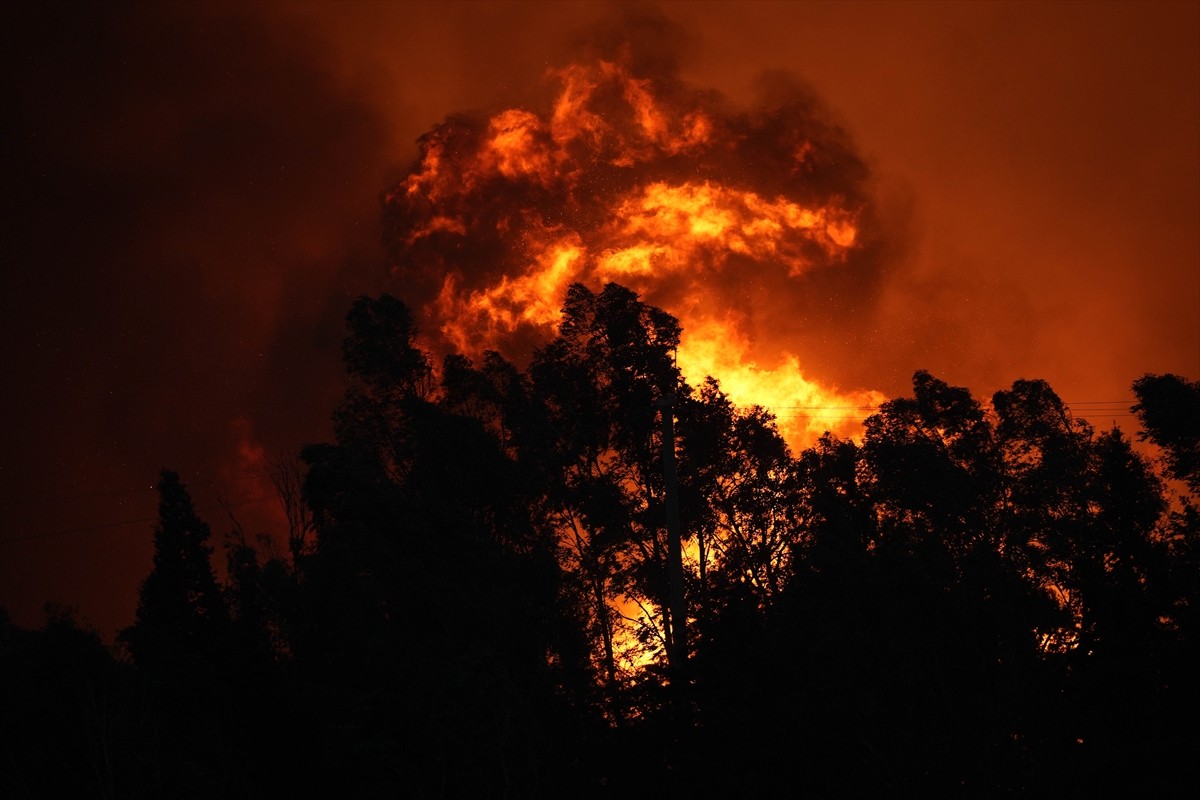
[708, 214]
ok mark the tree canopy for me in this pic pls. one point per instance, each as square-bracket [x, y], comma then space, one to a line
[973, 599]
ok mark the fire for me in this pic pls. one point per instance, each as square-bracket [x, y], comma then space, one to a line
[804, 409]
[690, 220]
[514, 148]
[474, 322]
[575, 119]
[638, 180]
[717, 216]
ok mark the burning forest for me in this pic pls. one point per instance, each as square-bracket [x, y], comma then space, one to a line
[713, 214]
[590, 518]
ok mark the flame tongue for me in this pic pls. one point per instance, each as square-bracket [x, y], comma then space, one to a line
[684, 205]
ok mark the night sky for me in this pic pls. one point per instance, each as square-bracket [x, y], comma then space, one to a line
[193, 200]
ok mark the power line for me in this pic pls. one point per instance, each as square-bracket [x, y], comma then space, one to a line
[1108, 408]
[118, 492]
[1125, 403]
[1116, 404]
[820, 417]
[126, 522]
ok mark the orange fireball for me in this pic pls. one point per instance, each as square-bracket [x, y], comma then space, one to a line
[637, 180]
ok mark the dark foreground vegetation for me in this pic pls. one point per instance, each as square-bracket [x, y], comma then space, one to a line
[972, 602]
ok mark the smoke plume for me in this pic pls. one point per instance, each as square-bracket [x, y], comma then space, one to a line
[720, 214]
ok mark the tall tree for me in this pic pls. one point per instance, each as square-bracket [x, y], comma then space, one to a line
[744, 506]
[1169, 409]
[180, 613]
[429, 599]
[596, 435]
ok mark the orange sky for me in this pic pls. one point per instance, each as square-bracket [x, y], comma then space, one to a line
[1045, 156]
[195, 194]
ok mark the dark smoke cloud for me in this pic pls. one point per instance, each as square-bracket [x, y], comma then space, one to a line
[189, 206]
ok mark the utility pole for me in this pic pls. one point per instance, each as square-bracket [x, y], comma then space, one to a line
[677, 654]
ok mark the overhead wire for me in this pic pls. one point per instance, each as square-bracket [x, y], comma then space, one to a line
[117, 492]
[1105, 407]
[123, 523]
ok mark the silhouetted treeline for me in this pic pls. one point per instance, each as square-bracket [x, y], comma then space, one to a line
[973, 601]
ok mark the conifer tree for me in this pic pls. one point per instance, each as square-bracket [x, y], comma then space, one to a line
[180, 614]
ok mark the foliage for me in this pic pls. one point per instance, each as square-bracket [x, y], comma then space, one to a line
[180, 615]
[970, 601]
[1169, 409]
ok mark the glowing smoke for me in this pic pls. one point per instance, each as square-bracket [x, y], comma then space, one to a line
[715, 214]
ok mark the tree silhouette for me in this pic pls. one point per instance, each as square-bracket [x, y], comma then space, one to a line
[1169, 409]
[966, 603]
[430, 608]
[180, 615]
[744, 498]
[595, 433]
[70, 717]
